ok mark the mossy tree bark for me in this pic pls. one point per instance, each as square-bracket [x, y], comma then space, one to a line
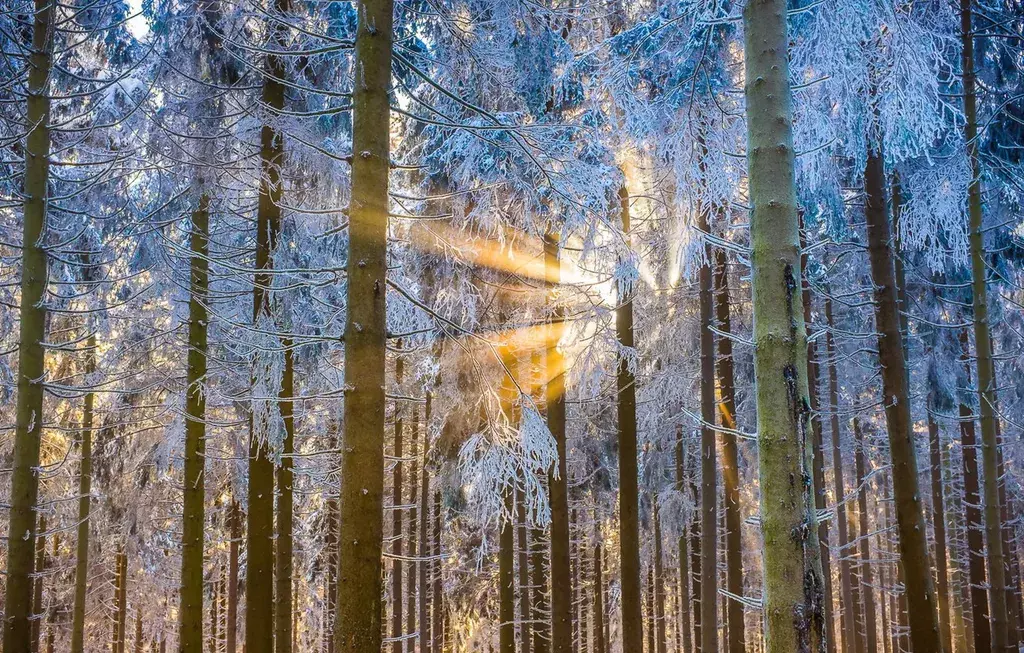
[794, 588]
[558, 482]
[983, 346]
[28, 430]
[793, 608]
[358, 621]
[193, 527]
[629, 496]
[923, 616]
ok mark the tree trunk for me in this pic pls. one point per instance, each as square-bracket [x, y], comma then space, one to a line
[397, 537]
[283, 570]
[629, 497]
[121, 602]
[358, 621]
[506, 582]
[730, 459]
[793, 609]
[939, 527]
[415, 564]
[972, 515]
[695, 572]
[37, 589]
[864, 564]
[600, 643]
[924, 625]
[437, 601]
[231, 621]
[845, 575]
[683, 552]
[659, 587]
[427, 563]
[28, 429]
[560, 567]
[260, 623]
[525, 609]
[708, 455]
[139, 645]
[193, 526]
[983, 348]
[84, 503]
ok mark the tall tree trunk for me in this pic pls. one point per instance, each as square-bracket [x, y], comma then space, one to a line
[415, 564]
[37, 589]
[695, 563]
[28, 431]
[818, 458]
[121, 602]
[260, 624]
[525, 609]
[708, 454]
[331, 546]
[650, 648]
[397, 537]
[193, 526]
[683, 552]
[659, 587]
[84, 501]
[283, 570]
[427, 563]
[358, 622]
[793, 609]
[231, 621]
[506, 582]
[864, 564]
[924, 625]
[436, 601]
[983, 347]
[560, 567]
[730, 459]
[139, 644]
[972, 514]
[939, 527]
[629, 495]
[600, 643]
[845, 574]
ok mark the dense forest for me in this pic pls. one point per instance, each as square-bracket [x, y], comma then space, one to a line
[512, 326]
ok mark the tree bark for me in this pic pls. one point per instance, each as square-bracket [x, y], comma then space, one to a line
[523, 551]
[84, 503]
[793, 609]
[629, 496]
[983, 348]
[847, 605]
[683, 552]
[560, 567]
[28, 429]
[437, 600]
[193, 527]
[924, 626]
[661, 639]
[972, 514]
[730, 459]
[231, 621]
[600, 643]
[506, 581]
[415, 564]
[283, 571]
[864, 564]
[37, 585]
[939, 528]
[427, 563]
[358, 622]
[397, 537]
[708, 454]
